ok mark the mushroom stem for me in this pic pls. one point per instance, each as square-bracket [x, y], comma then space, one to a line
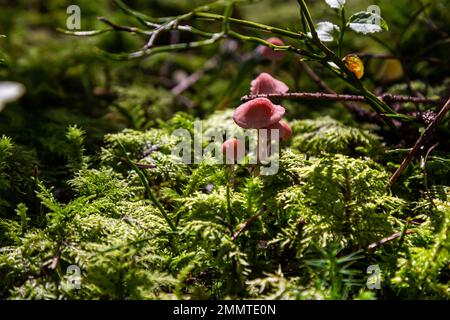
[273, 66]
[257, 171]
[229, 176]
[257, 146]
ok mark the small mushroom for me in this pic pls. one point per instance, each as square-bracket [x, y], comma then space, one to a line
[285, 132]
[269, 53]
[232, 150]
[266, 84]
[258, 113]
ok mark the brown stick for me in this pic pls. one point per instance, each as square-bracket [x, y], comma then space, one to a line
[196, 76]
[310, 72]
[422, 139]
[245, 225]
[387, 239]
[118, 27]
[339, 97]
[56, 257]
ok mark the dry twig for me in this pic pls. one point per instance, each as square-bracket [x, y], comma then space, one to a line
[420, 142]
[387, 239]
[245, 225]
[340, 97]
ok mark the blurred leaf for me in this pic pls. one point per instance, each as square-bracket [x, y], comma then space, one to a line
[326, 31]
[10, 91]
[367, 22]
[336, 4]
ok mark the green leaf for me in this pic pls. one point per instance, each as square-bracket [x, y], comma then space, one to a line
[367, 22]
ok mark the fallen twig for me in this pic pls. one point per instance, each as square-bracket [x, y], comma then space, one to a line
[422, 139]
[196, 76]
[56, 257]
[387, 239]
[245, 225]
[123, 28]
[340, 97]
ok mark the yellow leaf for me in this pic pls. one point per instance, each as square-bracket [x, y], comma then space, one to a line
[354, 64]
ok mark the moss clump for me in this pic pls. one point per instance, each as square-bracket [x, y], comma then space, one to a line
[309, 236]
[327, 135]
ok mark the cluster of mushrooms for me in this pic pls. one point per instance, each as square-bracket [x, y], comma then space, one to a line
[260, 113]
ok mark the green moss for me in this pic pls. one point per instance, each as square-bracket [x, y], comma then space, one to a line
[327, 135]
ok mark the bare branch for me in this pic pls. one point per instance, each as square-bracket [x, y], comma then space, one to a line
[420, 142]
[123, 28]
[340, 97]
[245, 225]
[387, 239]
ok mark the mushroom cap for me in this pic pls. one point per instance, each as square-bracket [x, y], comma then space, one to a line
[231, 149]
[266, 84]
[269, 53]
[258, 113]
[285, 132]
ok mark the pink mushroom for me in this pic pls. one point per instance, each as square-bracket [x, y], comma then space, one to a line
[232, 150]
[258, 113]
[269, 53]
[285, 132]
[266, 84]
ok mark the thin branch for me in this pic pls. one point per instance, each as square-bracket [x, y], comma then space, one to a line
[124, 28]
[56, 257]
[264, 42]
[245, 225]
[419, 143]
[172, 47]
[340, 97]
[194, 77]
[253, 25]
[309, 20]
[142, 18]
[390, 238]
[87, 33]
